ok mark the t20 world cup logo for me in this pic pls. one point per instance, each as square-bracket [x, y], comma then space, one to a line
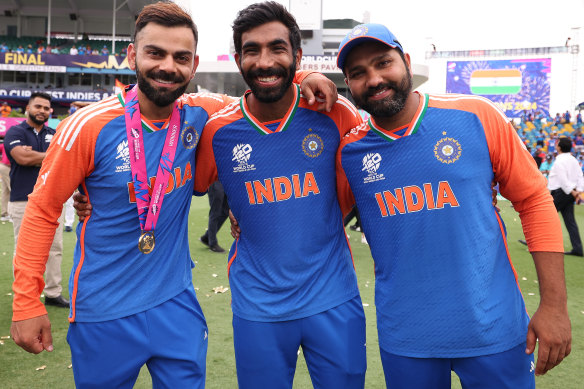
[241, 154]
[371, 163]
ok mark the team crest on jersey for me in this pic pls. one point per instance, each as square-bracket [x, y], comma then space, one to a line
[447, 150]
[48, 138]
[123, 155]
[312, 145]
[358, 31]
[189, 137]
[241, 155]
[371, 163]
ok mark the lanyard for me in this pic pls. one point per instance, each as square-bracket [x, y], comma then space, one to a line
[149, 206]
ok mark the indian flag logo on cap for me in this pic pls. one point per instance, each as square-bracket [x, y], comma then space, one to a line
[495, 82]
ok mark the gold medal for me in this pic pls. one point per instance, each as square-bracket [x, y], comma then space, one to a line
[146, 242]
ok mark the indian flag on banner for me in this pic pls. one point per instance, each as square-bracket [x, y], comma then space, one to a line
[495, 82]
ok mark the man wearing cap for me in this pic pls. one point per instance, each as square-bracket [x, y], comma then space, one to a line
[420, 170]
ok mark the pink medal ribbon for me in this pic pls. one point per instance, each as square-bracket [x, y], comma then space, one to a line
[149, 206]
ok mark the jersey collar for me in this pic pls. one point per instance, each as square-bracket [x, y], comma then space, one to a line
[147, 125]
[284, 122]
[410, 129]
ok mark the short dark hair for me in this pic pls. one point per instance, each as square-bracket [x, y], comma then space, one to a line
[261, 13]
[565, 144]
[42, 95]
[165, 13]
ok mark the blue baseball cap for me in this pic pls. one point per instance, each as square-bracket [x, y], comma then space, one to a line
[363, 33]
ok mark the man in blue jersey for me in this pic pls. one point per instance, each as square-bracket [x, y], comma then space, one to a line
[291, 272]
[133, 155]
[420, 170]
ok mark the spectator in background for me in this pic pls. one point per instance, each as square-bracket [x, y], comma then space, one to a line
[26, 145]
[82, 50]
[557, 119]
[5, 176]
[94, 52]
[579, 141]
[105, 50]
[579, 120]
[72, 108]
[546, 165]
[73, 50]
[354, 213]
[567, 117]
[55, 50]
[40, 49]
[551, 143]
[124, 51]
[540, 137]
[20, 49]
[5, 110]
[539, 156]
[3, 48]
[566, 182]
[218, 213]
[29, 49]
[538, 119]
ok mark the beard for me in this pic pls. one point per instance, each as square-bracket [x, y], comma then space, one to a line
[270, 95]
[35, 120]
[162, 97]
[389, 106]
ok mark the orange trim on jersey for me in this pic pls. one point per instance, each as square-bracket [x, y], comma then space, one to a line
[232, 258]
[514, 169]
[73, 299]
[344, 193]
[206, 168]
[155, 125]
[345, 122]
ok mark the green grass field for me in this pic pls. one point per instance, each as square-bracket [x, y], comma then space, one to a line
[18, 369]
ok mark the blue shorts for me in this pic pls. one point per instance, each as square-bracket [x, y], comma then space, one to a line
[171, 339]
[511, 369]
[333, 343]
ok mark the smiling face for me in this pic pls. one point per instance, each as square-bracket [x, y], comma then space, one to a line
[165, 60]
[267, 61]
[379, 79]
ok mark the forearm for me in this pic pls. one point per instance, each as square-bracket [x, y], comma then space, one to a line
[30, 158]
[34, 241]
[551, 278]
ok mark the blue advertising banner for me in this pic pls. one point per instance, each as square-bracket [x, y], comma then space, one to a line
[515, 85]
[59, 95]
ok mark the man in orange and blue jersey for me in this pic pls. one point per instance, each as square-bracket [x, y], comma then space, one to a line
[291, 273]
[420, 170]
[132, 297]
